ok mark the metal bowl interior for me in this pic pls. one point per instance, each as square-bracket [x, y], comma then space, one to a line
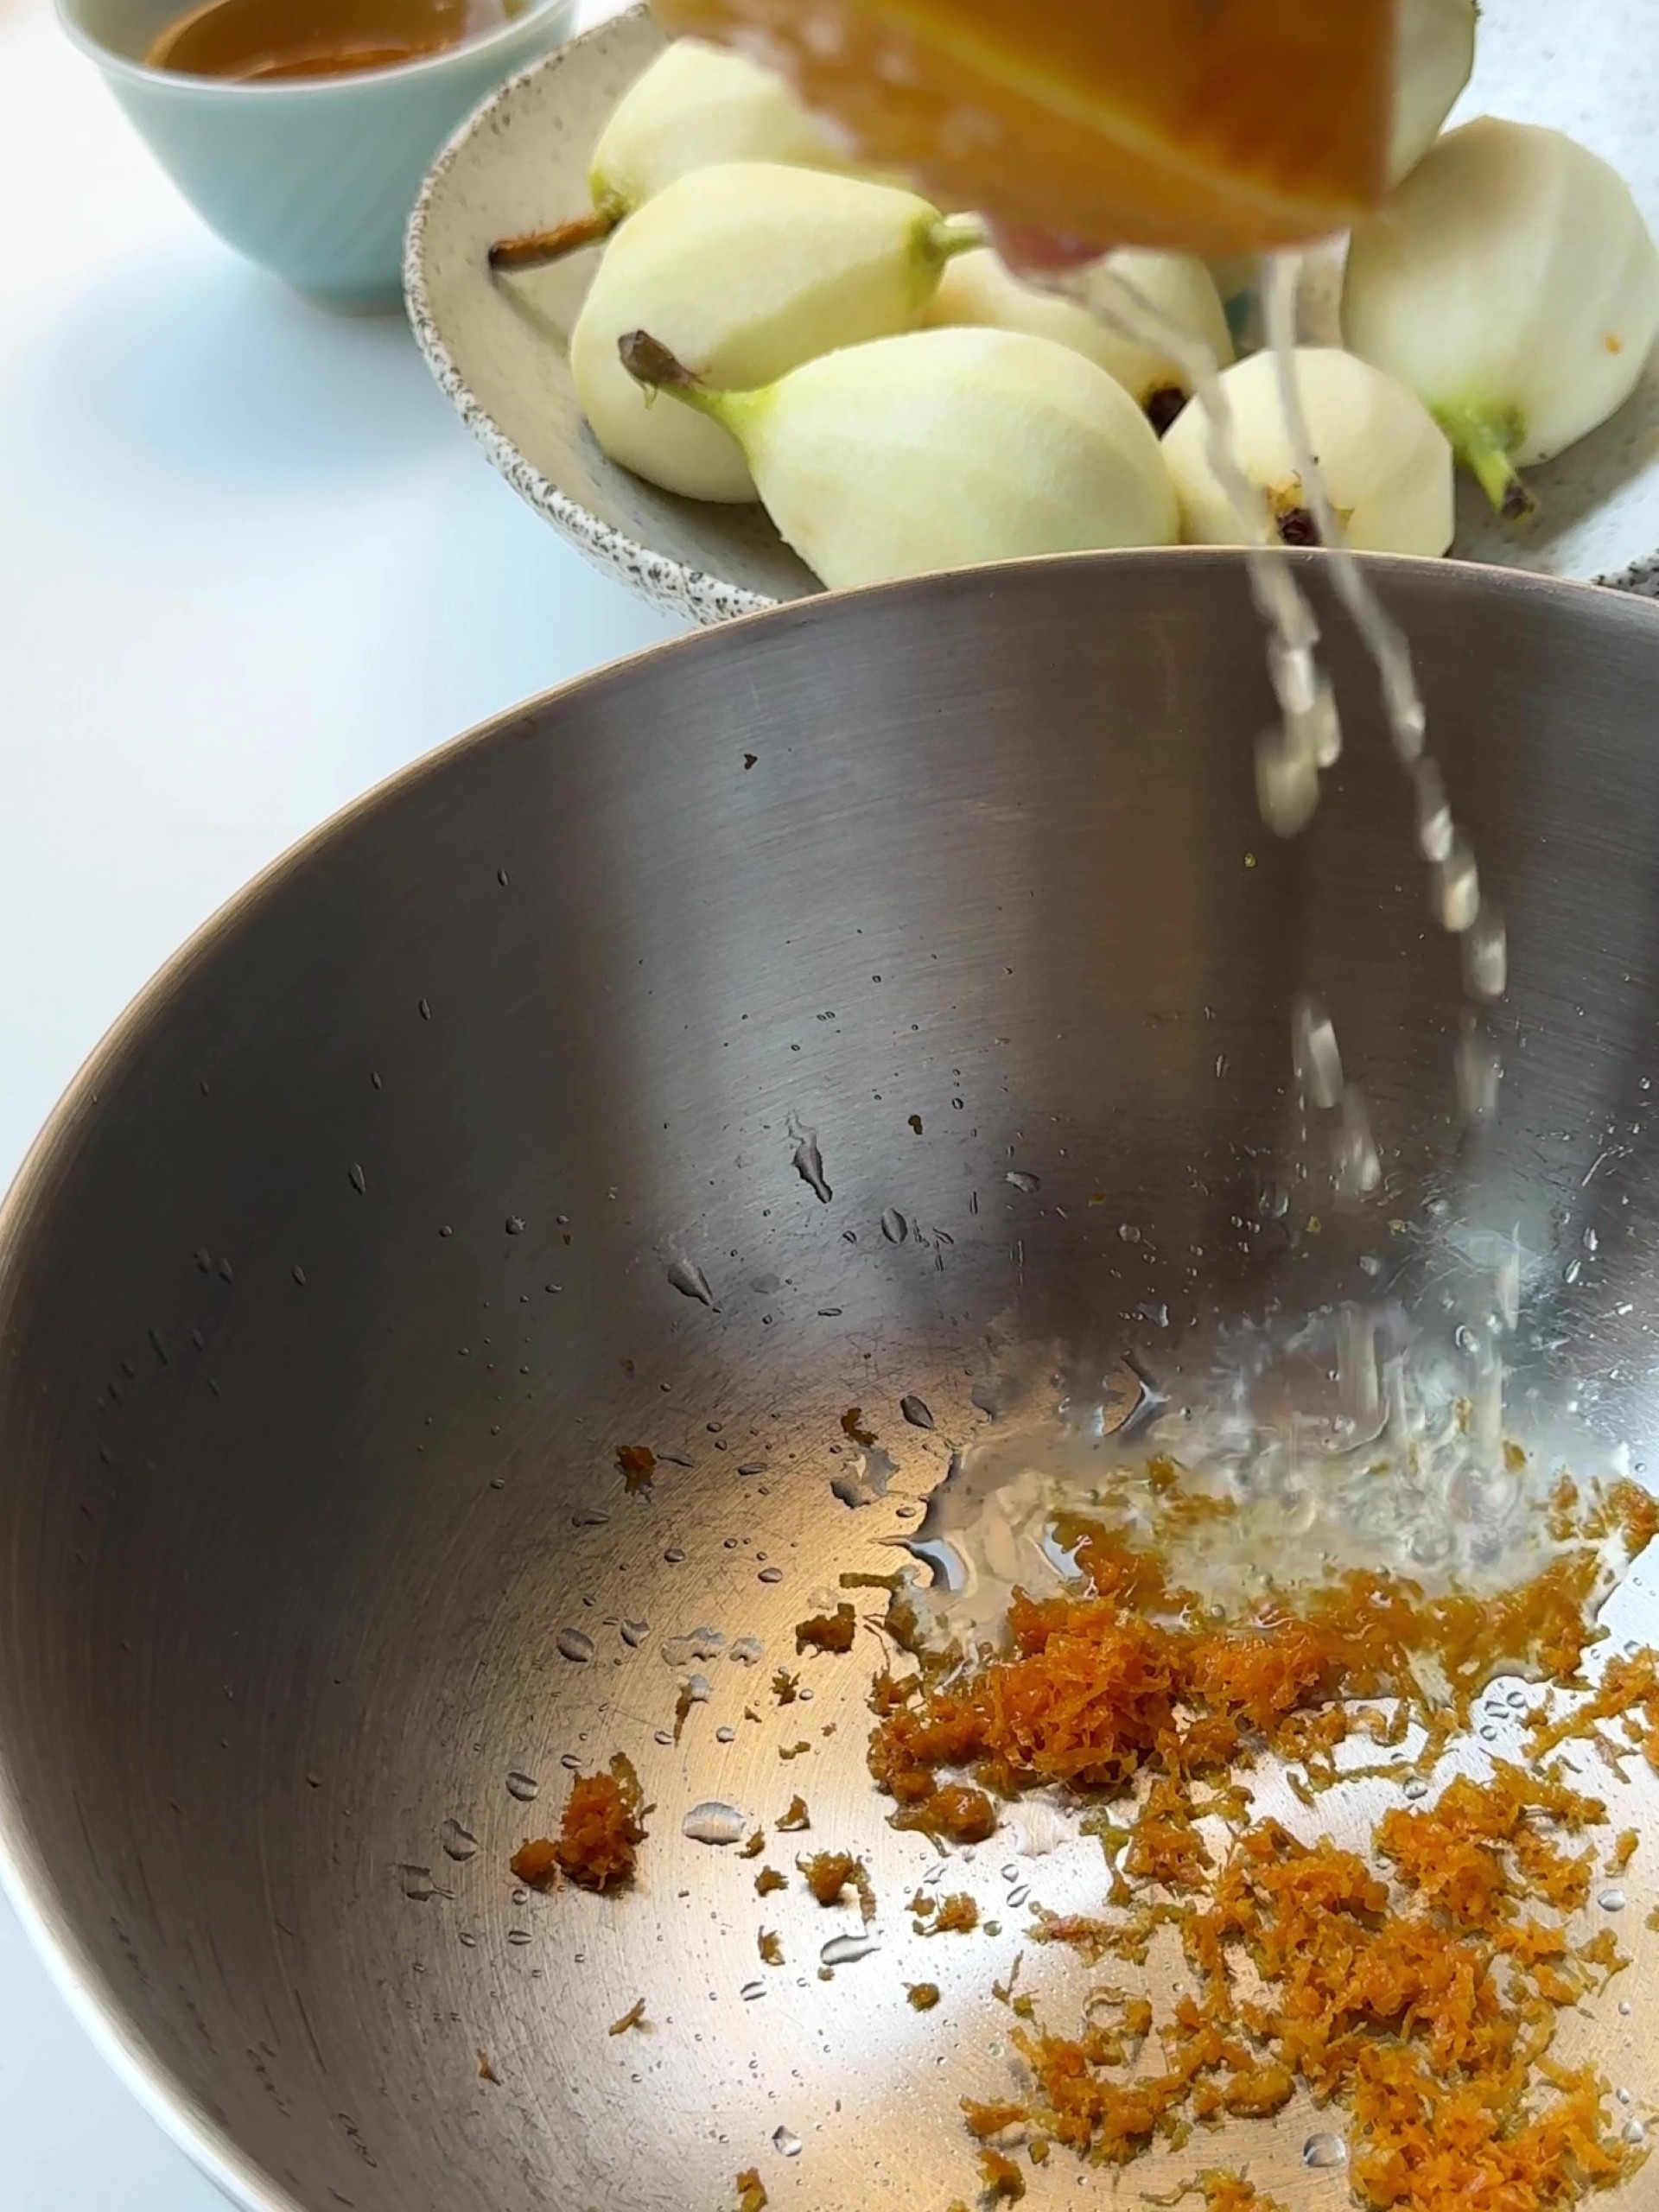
[462, 1150]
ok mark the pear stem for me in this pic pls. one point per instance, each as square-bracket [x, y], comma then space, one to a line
[1483, 439]
[955, 235]
[648, 362]
[536, 249]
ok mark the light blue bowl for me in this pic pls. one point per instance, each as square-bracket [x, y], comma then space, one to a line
[313, 179]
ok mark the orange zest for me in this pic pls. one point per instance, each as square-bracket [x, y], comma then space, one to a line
[602, 1828]
[1414, 1991]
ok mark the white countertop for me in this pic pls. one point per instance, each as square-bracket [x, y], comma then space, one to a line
[249, 564]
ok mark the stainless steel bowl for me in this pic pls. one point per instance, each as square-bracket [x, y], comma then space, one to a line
[468, 1145]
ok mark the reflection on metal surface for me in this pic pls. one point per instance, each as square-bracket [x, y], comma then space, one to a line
[287, 1563]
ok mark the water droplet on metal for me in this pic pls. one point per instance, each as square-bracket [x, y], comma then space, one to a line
[747, 1651]
[524, 1787]
[751, 1990]
[634, 1633]
[690, 1281]
[514, 1224]
[863, 1485]
[785, 2143]
[518, 1935]
[847, 1950]
[1416, 1789]
[1613, 1900]
[418, 1885]
[916, 1411]
[894, 1227]
[947, 1564]
[589, 1517]
[1325, 2150]
[575, 1643]
[1022, 1180]
[770, 1574]
[458, 1842]
[694, 1644]
[359, 1180]
[714, 1821]
[808, 1163]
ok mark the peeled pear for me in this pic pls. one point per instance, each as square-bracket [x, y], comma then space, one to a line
[980, 289]
[1511, 282]
[744, 272]
[1433, 58]
[695, 106]
[1433, 55]
[938, 449]
[1386, 464]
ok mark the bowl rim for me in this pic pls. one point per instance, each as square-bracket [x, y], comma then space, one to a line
[345, 81]
[25, 1878]
[615, 548]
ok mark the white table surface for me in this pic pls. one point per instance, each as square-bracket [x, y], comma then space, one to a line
[250, 564]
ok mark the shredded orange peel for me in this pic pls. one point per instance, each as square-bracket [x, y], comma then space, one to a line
[1415, 1993]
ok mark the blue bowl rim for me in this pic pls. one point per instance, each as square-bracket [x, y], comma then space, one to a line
[124, 67]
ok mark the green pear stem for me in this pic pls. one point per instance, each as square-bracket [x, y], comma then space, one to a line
[536, 248]
[648, 362]
[1484, 438]
[955, 235]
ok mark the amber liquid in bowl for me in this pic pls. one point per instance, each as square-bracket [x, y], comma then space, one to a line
[259, 41]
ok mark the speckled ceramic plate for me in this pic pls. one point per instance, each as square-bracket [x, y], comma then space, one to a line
[497, 346]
